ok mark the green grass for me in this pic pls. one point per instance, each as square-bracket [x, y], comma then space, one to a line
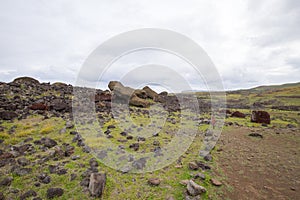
[119, 186]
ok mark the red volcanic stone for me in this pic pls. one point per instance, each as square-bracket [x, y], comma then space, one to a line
[238, 114]
[260, 117]
[38, 106]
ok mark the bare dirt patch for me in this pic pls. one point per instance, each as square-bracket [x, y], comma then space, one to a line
[259, 168]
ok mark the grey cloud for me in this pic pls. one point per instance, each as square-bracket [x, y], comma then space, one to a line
[252, 42]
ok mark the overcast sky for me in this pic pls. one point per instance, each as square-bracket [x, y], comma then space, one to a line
[250, 42]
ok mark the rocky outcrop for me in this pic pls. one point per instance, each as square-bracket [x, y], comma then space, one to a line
[260, 117]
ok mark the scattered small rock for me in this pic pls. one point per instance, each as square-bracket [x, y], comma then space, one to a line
[47, 142]
[62, 171]
[54, 192]
[194, 189]
[21, 171]
[134, 146]
[208, 157]
[23, 161]
[97, 184]
[44, 178]
[123, 133]
[193, 166]
[2, 196]
[187, 197]
[111, 126]
[75, 157]
[141, 139]
[184, 182]
[200, 175]
[93, 163]
[6, 181]
[69, 125]
[154, 181]
[28, 194]
[215, 182]
[256, 135]
[129, 137]
[73, 177]
[155, 134]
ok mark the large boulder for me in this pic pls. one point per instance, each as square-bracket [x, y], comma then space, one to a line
[260, 117]
[97, 184]
[150, 93]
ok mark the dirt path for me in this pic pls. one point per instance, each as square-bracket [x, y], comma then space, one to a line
[255, 168]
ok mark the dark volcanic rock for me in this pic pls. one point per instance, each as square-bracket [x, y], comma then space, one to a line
[256, 135]
[8, 115]
[238, 114]
[28, 194]
[2, 196]
[21, 171]
[44, 178]
[260, 117]
[54, 192]
[47, 142]
[203, 166]
[59, 105]
[23, 161]
[6, 181]
[93, 163]
[134, 146]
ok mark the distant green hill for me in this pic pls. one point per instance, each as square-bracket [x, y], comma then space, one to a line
[282, 97]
